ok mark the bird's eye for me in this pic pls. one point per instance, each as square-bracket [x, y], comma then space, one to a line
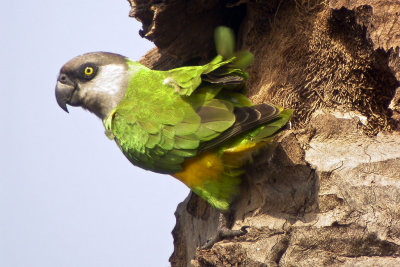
[88, 71]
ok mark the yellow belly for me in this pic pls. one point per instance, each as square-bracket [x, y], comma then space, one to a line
[210, 165]
[201, 168]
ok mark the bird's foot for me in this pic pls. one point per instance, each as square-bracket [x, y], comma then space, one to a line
[224, 233]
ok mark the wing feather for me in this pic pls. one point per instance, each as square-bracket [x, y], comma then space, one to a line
[246, 118]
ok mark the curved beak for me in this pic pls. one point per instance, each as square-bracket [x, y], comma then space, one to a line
[64, 90]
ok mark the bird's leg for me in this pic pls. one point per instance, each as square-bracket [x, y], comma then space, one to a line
[224, 230]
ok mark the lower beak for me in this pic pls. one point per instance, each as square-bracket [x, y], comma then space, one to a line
[63, 94]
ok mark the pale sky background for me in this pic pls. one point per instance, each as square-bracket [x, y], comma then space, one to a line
[68, 197]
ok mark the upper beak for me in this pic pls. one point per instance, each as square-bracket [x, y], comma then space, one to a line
[64, 90]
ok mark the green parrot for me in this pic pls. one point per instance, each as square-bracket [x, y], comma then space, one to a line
[193, 122]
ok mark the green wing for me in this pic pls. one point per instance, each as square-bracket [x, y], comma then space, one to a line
[158, 129]
[162, 143]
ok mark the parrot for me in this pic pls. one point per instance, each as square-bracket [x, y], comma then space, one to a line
[193, 122]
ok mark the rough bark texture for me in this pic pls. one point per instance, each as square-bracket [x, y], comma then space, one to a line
[327, 193]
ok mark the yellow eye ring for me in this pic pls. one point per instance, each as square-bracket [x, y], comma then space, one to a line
[88, 71]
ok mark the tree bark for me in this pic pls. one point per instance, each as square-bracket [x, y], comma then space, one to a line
[327, 192]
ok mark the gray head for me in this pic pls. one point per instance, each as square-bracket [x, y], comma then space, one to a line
[95, 81]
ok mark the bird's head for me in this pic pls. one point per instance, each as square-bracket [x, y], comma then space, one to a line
[95, 81]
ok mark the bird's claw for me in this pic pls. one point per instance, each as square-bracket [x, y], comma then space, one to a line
[224, 233]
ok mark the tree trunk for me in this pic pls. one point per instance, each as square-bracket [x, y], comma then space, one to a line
[327, 192]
